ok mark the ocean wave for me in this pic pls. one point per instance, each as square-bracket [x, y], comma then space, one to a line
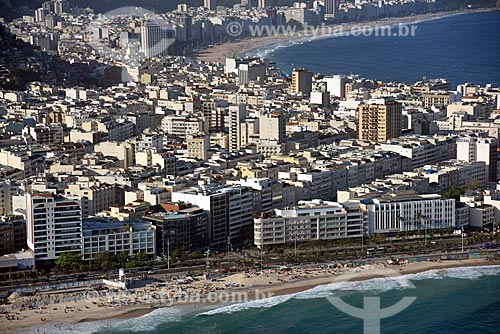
[271, 48]
[150, 321]
[260, 303]
[374, 284]
[470, 273]
[320, 291]
[147, 322]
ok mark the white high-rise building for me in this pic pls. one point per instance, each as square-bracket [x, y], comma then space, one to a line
[272, 134]
[40, 14]
[474, 149]
[395, 213]
[310, 220]
[272, 127]
[335, 85]
[230, 209]
[215, 206]
[237, 115]
[331, 9]
[209, 4]
[53, 225]
[240, 202]
[155, 39]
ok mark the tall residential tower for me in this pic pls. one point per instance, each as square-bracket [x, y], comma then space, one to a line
[379, 120]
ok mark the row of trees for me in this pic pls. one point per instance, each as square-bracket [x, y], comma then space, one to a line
[70, 262]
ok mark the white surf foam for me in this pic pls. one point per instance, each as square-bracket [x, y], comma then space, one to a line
[375, 284]
[150, 321]
[320, 291]
[260, 303]
[147, 322]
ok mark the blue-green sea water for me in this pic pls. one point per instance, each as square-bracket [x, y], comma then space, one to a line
[462, 48]
[458, 300]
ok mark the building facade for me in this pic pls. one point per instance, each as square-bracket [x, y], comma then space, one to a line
[131, 237]
[155, 39]
[301, 81]
[396, 213]
[310, 220]
[180, 226]
[53, 224]
[95, 196]
[379, 120]
[12, 234]
[472, 149]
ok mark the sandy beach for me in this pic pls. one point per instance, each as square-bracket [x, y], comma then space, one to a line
[219, 53]
[89, 307]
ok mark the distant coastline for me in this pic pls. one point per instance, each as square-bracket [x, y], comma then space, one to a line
[109, 315]
[219, 53]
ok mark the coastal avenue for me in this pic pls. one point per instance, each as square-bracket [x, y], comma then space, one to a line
[225, 265]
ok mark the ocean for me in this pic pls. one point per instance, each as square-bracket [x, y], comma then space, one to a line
[455, 300]
[461, 48]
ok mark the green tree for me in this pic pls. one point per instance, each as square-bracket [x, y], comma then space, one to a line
[69, 262]
[121, 259]
[196, 255]
[141, 258]
[454, 192]
[132, 264]
[104, 261]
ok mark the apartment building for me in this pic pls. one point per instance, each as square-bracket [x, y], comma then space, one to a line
[180, 226]
[94, 196]
[44, 134]
[422, 150]
[182, 126]
[123, 151]
[301, 81]
[12, 234]
[229, 208]
[198, 146]
[440, 98]
[131, 237]
[379, 120]
[309, 220]
[406, 212]
[53, 224]
[473, 148]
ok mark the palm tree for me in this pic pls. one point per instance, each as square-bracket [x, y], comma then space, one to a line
[421, 217]
[398, 220]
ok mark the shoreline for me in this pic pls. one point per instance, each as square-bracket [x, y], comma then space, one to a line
[219, 53]
[391, 271]
[31, 321]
